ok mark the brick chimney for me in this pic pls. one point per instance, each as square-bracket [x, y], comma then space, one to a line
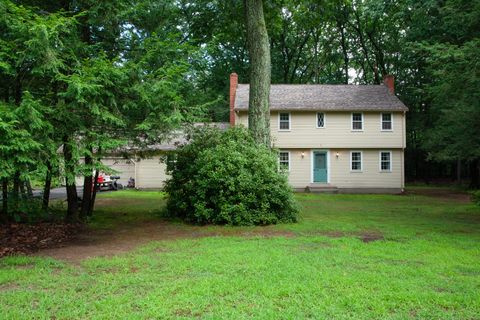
[233, 90]
[389, 81]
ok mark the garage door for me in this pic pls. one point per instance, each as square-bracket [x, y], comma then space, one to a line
[124, 167]
[151, 173]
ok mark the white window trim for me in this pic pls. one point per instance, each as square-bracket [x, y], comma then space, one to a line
[289, 122]
[289, 159]
[324, 120]
[363, 122]
[381, 121]
[361, 161]
[380, 160]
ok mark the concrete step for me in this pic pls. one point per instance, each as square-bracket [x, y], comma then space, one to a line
[321, 188]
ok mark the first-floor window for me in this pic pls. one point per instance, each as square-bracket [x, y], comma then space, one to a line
[356, 161]
[385, 161]
[284, 160]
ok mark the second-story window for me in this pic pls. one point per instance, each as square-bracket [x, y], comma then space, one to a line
[320, 120]
[387, 122]
[357, 121]
[284, 121]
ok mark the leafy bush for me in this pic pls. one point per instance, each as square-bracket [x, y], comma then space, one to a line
[30, 210]
[476, 197]
[224, 177]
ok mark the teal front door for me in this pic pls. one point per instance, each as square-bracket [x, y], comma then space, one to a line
[320, 166]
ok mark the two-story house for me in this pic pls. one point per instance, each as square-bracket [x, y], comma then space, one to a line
[349, 138]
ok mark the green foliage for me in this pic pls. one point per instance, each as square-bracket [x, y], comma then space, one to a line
[456, 97]
[476, 196]
[17, 144]
[29, 210]
[224, 177]
[92, 75]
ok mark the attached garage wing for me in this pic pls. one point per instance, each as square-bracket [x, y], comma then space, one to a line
[151, 174]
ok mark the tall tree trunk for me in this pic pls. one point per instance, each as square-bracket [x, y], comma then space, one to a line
[18, 91]
[22, 190]
[94, 194]
[459, 171]
[28, 185]
[285, 55]
[87, 186]
[47, 187]
[363, 45]
[260, 72]
[5, 216]
[72, 197]
[343, 42]
[16, 191]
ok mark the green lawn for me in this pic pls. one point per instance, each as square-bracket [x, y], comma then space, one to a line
[350, 257]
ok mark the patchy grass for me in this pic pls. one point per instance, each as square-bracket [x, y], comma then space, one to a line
[350, 257]
[127, 207]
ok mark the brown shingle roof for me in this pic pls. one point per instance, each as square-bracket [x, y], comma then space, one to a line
[325, 97]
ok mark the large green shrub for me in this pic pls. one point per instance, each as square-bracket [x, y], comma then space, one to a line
[224, 177]
[476, 197]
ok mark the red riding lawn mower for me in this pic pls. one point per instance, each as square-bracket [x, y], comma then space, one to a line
[106, 183]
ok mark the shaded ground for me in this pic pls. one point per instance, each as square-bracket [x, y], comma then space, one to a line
[25, 238]
[440, 193]
[95, 243]
[104, 243]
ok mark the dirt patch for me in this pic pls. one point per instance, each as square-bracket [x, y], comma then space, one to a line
[333, 234]
[264, 232]
[24, 238]
[366, 235]
[90, 243]
[371, 236]
[314, 246]
[9, 286]
[439, 193]
[104, 243]
[101, 243]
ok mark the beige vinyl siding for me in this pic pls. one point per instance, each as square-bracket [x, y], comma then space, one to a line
[78, 181]
[300, 168]
[370, 175]
[337, 133]
[339, 173]
[124, 167]
[151, 173]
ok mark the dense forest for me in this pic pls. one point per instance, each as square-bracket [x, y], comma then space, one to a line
[89, 76]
